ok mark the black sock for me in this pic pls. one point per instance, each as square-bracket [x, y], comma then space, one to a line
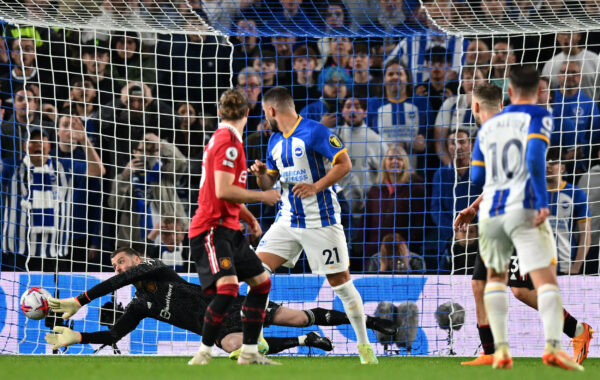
[325, 317]
[214, 316]
[279, 344]
[253, 312]
[487, 339]
[570, 324]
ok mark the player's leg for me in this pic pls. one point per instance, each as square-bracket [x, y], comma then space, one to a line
[483, 327]
[279, 246]
[536, 250]
[213, 254]
[326, 317]
[327, 254]
[496, 248]
[233, 341]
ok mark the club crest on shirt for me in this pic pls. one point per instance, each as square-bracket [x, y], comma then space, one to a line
[334, 141]
[151, 286]
[298, 152]
[225, 262]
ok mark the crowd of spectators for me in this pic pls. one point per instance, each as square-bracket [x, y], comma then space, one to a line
[103, 133]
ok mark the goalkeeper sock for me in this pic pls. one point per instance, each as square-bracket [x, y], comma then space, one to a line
[217, 311]
[277, 345]
[354, 309]
[571, 325]
[253, 312]
[487, 339]
[551, 312]
[496, 305]
[325, 317]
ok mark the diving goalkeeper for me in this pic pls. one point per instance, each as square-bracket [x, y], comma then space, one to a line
[163, 295]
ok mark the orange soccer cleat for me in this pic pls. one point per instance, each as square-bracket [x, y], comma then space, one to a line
[581, 343]
[482, 359]
[558, 358]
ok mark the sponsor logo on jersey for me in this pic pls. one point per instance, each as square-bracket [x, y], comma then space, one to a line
[165, 313]
[334, 141]
[228, 163]
[225, 262]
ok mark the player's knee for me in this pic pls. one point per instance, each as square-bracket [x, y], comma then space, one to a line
[228, 290]
[262, 288]
[520, 293]
[478, 287]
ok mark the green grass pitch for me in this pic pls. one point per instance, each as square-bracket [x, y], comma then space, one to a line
[330, 368]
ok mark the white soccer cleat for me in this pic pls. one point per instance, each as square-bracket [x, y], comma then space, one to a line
[255, 358]
[201, 358]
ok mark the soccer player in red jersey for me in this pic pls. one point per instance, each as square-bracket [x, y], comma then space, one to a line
[220, 250]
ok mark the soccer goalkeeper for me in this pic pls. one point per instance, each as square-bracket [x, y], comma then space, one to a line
[163, 295]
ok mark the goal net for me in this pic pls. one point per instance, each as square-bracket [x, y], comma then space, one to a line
[106, 107]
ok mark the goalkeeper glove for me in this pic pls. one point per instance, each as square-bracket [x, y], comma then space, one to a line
[68, 306]
[64, 338]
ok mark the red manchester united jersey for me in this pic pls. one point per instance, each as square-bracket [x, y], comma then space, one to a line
[224, 152]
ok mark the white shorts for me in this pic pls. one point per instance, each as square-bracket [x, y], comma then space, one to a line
[325, 247]
[536, 247]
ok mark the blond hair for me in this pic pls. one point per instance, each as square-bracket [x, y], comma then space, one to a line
[403, 156]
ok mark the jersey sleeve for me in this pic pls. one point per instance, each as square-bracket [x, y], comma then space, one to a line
[541, 127]
[326, 143]
[227, 154]
[478, 164]
[271, 165]
[124, 325]
[148, 269]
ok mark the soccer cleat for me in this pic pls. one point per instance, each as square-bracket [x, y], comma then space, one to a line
[581, 343]
[483, 359]
[384, 326]
[201, 358]
[502, 358]
[367, 356]
[255, 358]
[558, 358]
[313, 339]
[263, 348]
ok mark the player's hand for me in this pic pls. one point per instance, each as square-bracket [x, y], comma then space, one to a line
[62, 337]
[254, 229]
[67, 306]
[258, 168]
[541, 216]
[303, 190]
[329, 120]
[464, 218]
[271, 197]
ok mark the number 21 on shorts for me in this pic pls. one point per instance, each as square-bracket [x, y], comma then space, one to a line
[331, 256]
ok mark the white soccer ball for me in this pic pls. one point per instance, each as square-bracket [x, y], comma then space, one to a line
[34, 303]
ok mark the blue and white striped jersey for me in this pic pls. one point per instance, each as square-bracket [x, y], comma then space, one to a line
[304, 156]
[501, 148]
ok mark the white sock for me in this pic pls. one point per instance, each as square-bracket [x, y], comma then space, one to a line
[205, 348]
[578, 329]
[354, 309]
[250, 348]
[495, 299]
[301, 340]
[551, 312]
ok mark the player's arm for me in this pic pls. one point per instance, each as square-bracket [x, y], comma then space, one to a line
[265, 177]
[584, 226]
[535, 158]
[253, 225]
[70, 306]
[227, 191]
[478, 165]
[64, 336]
[341, 166]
